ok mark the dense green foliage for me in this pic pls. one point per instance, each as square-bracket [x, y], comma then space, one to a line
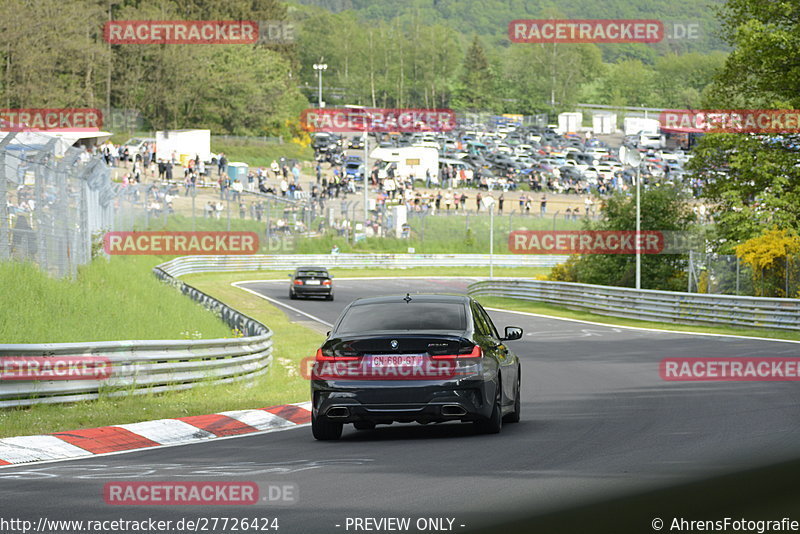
[663, 209]
[435, 53]
[760, 187]
[418, 53]
[490, 18]
[53, 55]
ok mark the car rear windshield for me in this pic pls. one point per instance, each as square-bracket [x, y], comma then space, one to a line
[312, 273]
[403, 316]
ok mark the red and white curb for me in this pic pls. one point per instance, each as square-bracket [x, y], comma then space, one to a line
[161, 432]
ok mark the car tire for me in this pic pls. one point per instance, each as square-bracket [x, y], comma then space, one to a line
[292, 295]
[364, 425]
[324, 429]
[514, 416]
[494, 422]
[330, 297]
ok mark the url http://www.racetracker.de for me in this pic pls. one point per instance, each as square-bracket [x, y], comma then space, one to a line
[47, 525]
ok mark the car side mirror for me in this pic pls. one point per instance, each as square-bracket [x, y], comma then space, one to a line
[512, 333]
[289, 275]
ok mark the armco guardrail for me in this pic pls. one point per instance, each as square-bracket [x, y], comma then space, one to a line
[149, 366]
[201, 264]
[669, 306]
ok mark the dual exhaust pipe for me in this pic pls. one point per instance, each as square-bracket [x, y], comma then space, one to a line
[450, 410]
[454, 410]
[337, 412]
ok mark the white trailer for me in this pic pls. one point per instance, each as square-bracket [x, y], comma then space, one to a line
[408, 161]
[188, 143]
[570, 122]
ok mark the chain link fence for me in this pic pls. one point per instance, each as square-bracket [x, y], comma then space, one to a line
[728, 275]
[55, 201]
[179, 207]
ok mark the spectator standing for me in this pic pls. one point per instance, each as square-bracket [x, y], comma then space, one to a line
[222, 164]
[543, 204]
[500, 201]
[237, 188]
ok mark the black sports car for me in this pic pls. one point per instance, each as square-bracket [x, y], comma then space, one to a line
[423, 358]
[311, 282]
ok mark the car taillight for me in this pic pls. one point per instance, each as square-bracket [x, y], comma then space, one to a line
[298, 282]
[327, 356]
[326, 282]
[464, 353]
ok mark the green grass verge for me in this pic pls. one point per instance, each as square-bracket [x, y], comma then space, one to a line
[281, 385]
[442, 234]
[108, 301]
[466, 272]
[558, 311]
[258, 154]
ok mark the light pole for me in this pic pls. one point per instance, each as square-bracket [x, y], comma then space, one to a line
[633, 158]
[364, 177]
[319, 67]
[488, 202]
[638, 227]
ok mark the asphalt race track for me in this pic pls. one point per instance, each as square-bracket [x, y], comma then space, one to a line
[596, 421]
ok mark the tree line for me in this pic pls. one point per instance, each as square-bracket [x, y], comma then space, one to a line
[54, 55]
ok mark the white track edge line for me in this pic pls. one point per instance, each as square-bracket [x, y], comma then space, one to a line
[279, 303]
[610, 325]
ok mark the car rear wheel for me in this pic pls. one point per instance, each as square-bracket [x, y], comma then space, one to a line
[324, 429]
[494, 423]
[513, 417]
[330, 297]
[292, 294]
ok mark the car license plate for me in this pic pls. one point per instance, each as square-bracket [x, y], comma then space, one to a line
[389, 361]
[312, 282]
